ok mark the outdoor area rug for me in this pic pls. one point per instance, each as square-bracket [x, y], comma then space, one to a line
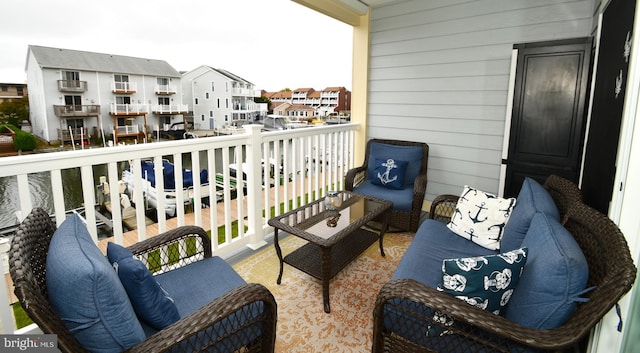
[302, 325]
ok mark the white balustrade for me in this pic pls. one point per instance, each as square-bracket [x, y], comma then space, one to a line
[299, 166]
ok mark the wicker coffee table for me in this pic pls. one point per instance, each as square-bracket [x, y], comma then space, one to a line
[334, 237]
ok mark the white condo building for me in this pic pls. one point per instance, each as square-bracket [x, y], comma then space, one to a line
[219, 98]
[77, 95]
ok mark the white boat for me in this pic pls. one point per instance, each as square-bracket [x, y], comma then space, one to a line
[170, 193]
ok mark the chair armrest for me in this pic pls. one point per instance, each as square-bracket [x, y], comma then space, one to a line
[177, 247]
[188, 333]
[355, 177]
[442, 207]
[468, 319]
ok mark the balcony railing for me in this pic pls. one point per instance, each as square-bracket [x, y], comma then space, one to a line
[128, 130]
[166, 89]
[124, 87]
[128, 109]
[73, 135]
[66, 111]
[311, 161]
[246, 92]
[170, 109]
[72, 86]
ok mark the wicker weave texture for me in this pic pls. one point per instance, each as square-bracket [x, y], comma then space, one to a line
[199, 331]
[611, 271]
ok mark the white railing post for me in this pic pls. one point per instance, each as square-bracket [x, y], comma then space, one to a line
[254, 188]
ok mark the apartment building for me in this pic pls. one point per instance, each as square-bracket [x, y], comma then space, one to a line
[10, 91]
[330, 101]
[76, 95]
[220, 98]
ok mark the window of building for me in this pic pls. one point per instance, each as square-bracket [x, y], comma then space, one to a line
[196, 100]
[75, 123]
[206, 95]
[4, 88]
[211, 113]
[163, 101]
[226, 103]
[73, 101]
[202, 118]
[121, 82]
[123, 100]
[213, 86]
[162, 81]
[218, 102]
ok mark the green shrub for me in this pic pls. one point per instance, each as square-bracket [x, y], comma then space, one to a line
[24, 141]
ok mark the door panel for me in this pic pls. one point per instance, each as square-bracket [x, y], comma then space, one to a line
[608, 103]
[548, 117]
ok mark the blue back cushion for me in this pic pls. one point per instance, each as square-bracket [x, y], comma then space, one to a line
[152, 304]
[531, 199]
[86, 294]
[554, 278]
[411, 154]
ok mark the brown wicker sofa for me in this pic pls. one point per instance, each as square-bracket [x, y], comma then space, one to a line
[244, 315]
[405, 214]
[404, 307]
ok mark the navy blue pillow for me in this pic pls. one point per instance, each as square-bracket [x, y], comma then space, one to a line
[150, 302]
[411, 154]
[389, 173]
[484, 281]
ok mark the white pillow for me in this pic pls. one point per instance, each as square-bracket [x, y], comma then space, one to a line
[481, 217]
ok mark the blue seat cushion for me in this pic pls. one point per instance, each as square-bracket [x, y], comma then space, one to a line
[432, 243]
[554, 278]
[86, 294]
[389, 173]
[532, 198]
[411, 154]
[195, 285]
[402, 199]
[152, 303]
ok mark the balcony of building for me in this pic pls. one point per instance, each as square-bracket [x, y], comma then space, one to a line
[132, 109]
[72, 86]
[279, 190]
[76, 111]
[165, 89]
[164, 109]
[245, 92]
[124, 87]
[74, 135]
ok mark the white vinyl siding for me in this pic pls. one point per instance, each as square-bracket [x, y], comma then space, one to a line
[439, 73]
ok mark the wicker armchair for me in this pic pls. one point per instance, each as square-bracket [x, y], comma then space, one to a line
[611, 272]
[398, 218]
[27, 257]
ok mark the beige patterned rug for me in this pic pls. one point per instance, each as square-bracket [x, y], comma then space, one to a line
[303, 326]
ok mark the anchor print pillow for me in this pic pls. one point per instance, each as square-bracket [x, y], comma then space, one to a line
[484, 281]
[389, 173]
[481, 217]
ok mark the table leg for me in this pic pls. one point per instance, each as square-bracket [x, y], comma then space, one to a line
[326, 273]
[279, 253]
[383, 229]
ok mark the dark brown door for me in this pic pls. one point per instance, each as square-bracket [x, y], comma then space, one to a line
[549, 111]
[609, 92]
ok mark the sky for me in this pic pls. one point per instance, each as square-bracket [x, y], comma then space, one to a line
[274, 44]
